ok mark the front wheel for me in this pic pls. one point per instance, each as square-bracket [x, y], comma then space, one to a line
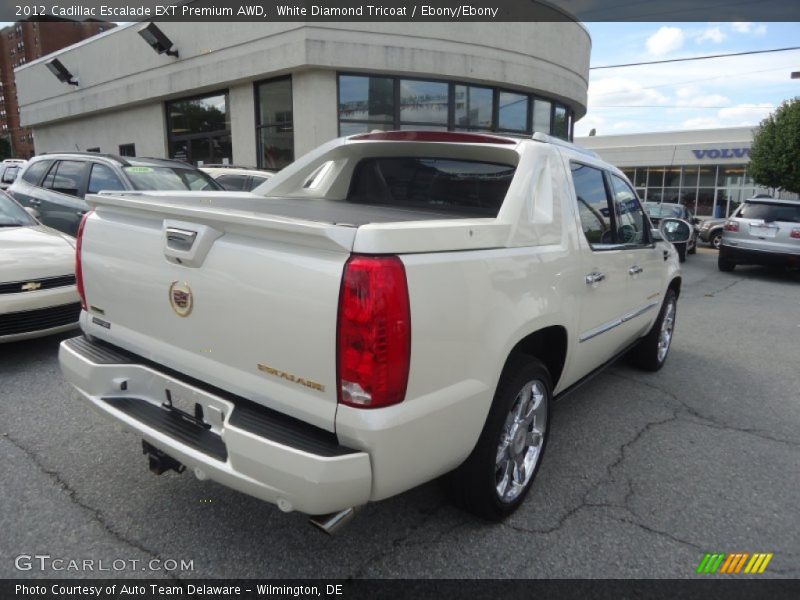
[651, 352]
[497, 476]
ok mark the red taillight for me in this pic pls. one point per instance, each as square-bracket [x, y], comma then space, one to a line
[78, 264]
[374, 333]
[795, 233]
[731, 226]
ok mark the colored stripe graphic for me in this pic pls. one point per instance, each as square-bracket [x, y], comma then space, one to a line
[733, 563]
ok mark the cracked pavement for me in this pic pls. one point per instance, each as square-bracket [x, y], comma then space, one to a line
[643, 474]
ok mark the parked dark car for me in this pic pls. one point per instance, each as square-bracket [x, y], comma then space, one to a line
[711, 231]
[666, 210]
[55, 185]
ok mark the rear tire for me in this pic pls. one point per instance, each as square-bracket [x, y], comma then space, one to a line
[651, 352]
[499, 473]
[724, 264]
[716, 239]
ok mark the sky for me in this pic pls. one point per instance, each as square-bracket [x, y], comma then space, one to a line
[722, 92]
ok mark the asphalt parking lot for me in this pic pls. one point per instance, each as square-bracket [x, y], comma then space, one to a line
[643, 475]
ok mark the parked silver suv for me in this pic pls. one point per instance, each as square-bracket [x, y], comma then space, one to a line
[763, 231]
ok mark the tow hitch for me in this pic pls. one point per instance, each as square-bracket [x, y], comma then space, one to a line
[160, 462]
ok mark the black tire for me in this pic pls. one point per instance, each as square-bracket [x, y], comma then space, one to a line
[724, 264]
[681, 248]
[473, 485]
[646, 354]
[715, 240]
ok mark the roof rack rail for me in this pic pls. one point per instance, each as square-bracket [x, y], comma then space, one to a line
[115, 157]
[549, 139]
[221, 166]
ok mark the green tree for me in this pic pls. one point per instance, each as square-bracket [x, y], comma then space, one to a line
[775, 154]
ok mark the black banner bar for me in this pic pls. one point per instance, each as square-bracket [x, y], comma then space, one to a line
[734, 588]
[401, 10]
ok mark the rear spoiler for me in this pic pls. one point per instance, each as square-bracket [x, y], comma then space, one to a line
[229, 212]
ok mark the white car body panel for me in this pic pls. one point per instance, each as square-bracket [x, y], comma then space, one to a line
[32, 253]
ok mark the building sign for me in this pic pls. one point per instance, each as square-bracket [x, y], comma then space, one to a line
[715, 153]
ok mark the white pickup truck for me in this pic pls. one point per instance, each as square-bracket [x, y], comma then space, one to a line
[390, 308]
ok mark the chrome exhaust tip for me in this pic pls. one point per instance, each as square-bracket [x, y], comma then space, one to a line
[333, 522]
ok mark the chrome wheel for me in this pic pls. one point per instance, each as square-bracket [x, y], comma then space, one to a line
[521, 441]
[665, 335]
[716, 240]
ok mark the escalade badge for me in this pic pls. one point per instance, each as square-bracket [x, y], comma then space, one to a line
[180, 298]
[30, 286]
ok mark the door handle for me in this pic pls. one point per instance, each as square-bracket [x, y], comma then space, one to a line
[635, 270]
[594, 278]
[666, 254]
[34, 202]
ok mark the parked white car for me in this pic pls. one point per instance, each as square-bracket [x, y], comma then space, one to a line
[38, 295]
[396, 307]
[9, 169]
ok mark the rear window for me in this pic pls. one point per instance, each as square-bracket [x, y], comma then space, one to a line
[33, 174]
[771, 212]
[661, 211]
[437, 184]
[169, 179]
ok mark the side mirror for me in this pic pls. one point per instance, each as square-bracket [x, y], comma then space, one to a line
[676, 231]
[32, 212]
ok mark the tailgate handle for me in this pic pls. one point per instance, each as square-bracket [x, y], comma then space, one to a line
[180, 239]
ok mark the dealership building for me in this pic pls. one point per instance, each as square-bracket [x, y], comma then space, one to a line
[264, 93]
[705, 169]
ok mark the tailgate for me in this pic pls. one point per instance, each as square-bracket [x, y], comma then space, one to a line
[235, 298]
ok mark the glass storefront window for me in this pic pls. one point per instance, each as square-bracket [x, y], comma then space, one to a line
[367, 102]
[473, 107]
[641, 177]
[732, 175]
[275, 126]
[707, 176]
[672, 176]
[671, 194]
[705, 202]
[513, 112]
[366, 98]
[199, 129]
[423, 102]
[689, 178]
[542, 110]
[199, 115]
[629, 173]
[655, 177]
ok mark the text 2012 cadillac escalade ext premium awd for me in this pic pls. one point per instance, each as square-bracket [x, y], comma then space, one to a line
[390, 308]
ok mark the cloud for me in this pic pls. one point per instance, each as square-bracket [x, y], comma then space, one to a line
[692, 96]
[613, 91]
[712, 34]
[741, 115]
[747, 27]
[665, 40]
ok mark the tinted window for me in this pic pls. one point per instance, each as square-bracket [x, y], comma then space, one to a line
[33, 174]
[771, 212]
[631, 222]
[234, 183]
[12, 214]
[66, 177]
[169, 178]
[439, 184]
[103, 178]
[10, 174]
[590, 191]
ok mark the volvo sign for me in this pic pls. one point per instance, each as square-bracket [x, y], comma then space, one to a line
[715, 153]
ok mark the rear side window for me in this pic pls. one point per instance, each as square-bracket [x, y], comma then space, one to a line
[103, 178]
[437, 184]
[590, 190]
[66, 177]
[33, 174]
[169, 178]
[771, 212]
[631, 223]
[233, 183]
